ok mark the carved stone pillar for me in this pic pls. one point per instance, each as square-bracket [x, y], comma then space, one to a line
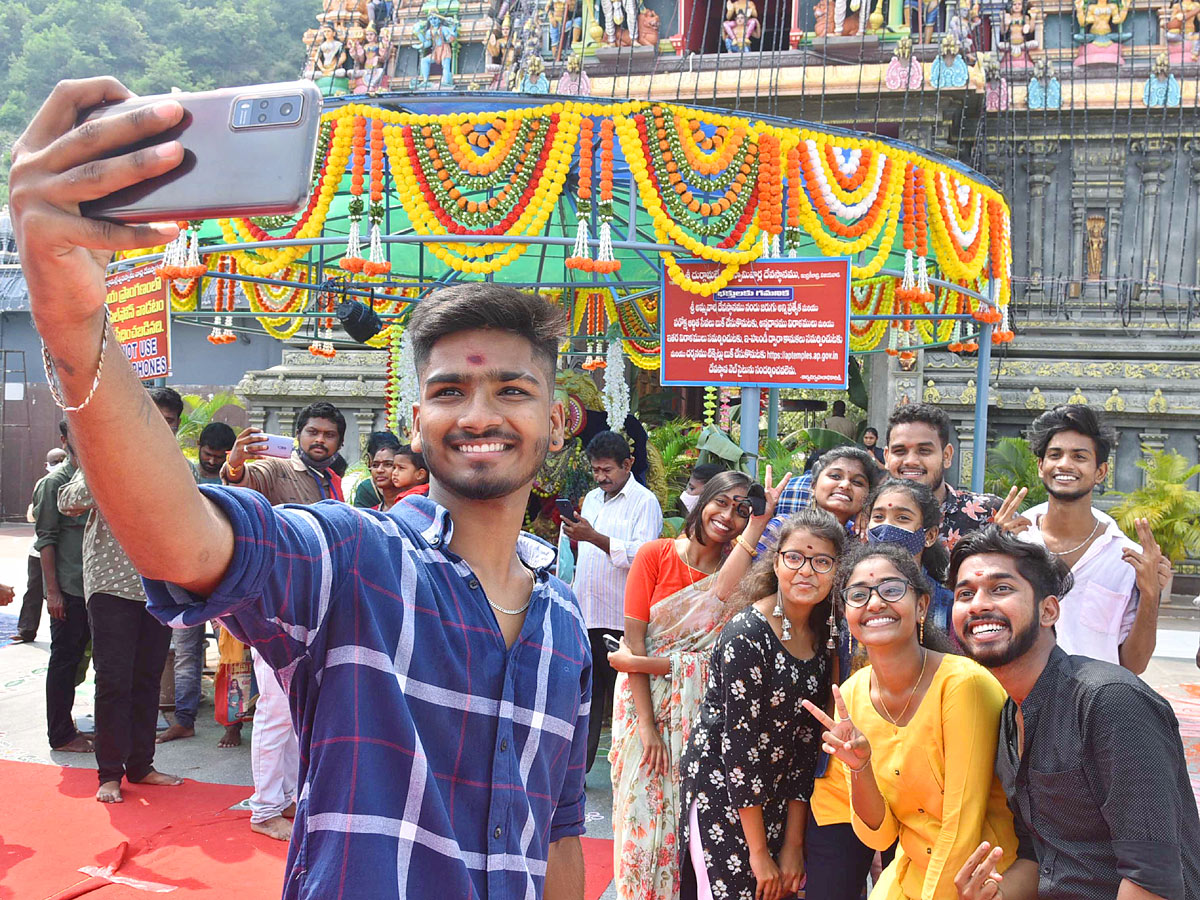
[1040, 172]
[287, 421]
[365, 420]
[257, 417]
[1151, 441]
[1154, 169]
[1196, 219]
[1078, 241]
[1110, 479]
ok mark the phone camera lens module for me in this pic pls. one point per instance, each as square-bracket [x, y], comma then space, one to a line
[285, 109]
[263, 104]
[262, 117]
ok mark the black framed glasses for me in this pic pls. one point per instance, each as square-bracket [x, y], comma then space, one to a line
[740, 505]
[822, 563]
[889, 590]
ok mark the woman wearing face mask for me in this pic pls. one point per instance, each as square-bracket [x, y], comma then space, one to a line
[906, 514]
[748, 769]
[673, 616]
[916, 733]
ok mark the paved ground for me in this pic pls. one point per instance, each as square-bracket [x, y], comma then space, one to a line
[23, 718]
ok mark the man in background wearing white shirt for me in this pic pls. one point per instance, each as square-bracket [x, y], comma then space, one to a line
[616, 518]
[1111, 613]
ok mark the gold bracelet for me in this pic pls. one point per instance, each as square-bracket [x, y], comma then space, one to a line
[745, 545]
[234, 474]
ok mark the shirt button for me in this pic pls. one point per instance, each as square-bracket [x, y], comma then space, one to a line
[920, 810]
[504, 744]
[496, 834]
[435, 542]
[473, 584]
[929, 850]
[897, 771]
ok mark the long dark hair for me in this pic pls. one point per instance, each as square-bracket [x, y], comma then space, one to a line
[761, 581]
[720, 483]
[934, 558]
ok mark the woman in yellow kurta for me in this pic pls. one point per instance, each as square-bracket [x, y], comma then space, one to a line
[916, 734]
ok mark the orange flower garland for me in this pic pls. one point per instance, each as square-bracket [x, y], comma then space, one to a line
[352, 261]
[770, 186]
[580, 257]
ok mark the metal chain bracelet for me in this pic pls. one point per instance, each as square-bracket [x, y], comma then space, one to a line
[55, 385]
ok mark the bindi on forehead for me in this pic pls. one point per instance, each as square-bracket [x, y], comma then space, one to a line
[476, 359]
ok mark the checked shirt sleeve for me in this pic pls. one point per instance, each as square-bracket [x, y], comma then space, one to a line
[568, 819]
[287, 566]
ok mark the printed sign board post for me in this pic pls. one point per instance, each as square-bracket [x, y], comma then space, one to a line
[778, 323]
[782, 323]
[137, 306]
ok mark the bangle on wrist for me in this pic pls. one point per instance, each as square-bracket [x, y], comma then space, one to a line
[861, 768]
[745, 545]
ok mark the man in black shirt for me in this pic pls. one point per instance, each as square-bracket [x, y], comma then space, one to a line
[1090, 757]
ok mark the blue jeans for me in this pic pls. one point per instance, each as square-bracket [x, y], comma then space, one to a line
[188, 644]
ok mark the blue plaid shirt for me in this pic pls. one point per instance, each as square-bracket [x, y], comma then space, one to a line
[434, 762]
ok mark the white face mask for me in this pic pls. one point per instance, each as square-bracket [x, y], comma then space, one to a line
[689, 500]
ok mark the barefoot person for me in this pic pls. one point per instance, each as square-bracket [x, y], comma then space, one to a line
[1090, 756]
[129, 646]
[438, 675]
[917, 732]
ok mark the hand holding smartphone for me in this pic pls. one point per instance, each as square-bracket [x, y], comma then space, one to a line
[611, 643]
[566, 509]
[275, 445]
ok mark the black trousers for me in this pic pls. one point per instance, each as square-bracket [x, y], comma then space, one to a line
[129, 650]
[68, 640]
[31, 603]
[836, 861]
[604, 677]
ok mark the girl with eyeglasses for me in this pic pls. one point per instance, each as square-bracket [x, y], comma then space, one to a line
[674, 611]
[915, 734]
[748, 769]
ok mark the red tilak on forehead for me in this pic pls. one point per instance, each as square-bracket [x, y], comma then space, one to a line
[475, 359]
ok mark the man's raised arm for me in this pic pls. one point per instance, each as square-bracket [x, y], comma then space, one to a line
[139, 479]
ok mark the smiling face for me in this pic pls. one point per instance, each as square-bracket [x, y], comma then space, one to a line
[879, 622]
[721, 518]
[995, 616]
[804, 586]
[841, 489]
[915, 451]
[487, 414]
[1069, 468]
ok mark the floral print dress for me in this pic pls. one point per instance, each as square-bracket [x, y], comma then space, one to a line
[755, 745]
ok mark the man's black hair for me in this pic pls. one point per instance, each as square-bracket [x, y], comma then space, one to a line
[1071, 417]
[322, 409]
[924, 413]
[217, 436]
[1047, 573]
[839, 407]
[706, 471]
[167, 398]
[381, 440]
[608, 445]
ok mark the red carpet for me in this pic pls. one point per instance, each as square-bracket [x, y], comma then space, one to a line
[184, 837]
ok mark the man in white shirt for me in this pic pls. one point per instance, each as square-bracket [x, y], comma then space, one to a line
[1111, 613]
[616, 518]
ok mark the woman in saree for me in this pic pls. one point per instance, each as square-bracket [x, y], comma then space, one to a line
[674, 612]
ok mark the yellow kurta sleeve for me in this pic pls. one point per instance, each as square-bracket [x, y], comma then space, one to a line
[857, 694]
[971, 706]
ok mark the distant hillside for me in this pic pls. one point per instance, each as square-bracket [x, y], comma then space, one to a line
[151, 45]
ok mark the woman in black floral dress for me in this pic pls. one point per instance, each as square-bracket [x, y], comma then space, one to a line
[748, 768]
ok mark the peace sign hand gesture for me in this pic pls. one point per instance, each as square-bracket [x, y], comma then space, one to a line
[773, 494]
[1152, 575]
[1008, 518]
[842, 738]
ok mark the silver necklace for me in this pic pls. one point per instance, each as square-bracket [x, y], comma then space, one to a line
[516, 612]
[1081, 546]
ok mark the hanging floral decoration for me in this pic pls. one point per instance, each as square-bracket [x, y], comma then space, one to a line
[581, 257]
[710, 404]
[616, 390]
[224, 302]
[322, 343]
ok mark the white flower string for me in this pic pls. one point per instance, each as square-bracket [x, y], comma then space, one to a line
[616, 391]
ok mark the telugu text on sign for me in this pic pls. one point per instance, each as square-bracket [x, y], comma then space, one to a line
[782, 323]
[137, 307]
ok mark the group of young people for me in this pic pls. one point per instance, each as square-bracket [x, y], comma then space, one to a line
[438, 675]
[803, 686]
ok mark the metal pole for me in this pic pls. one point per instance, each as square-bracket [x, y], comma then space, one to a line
[772, 414]
[750, 406]
[983, 371]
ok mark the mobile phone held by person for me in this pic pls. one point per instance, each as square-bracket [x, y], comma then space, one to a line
[566, 509]
[276, 445]
[247, 151]
[611, 643]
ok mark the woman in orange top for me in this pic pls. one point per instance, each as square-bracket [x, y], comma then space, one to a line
[917, 733]
[674, 612]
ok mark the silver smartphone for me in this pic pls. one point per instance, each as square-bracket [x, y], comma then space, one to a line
[247, 151]
[277, 445]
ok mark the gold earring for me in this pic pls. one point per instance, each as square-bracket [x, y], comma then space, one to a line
[921, 632]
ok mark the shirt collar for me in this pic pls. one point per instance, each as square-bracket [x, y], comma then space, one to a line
[1044, 686]
[433, 522]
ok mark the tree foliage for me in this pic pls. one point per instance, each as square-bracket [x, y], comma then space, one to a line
[1011, 462]
[150, 45]
[1166, 501]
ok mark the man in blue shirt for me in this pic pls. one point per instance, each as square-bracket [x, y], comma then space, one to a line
[439, 677]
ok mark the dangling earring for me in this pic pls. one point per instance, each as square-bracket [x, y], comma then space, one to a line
[921, 632]
[778, 611]
[833, 632]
